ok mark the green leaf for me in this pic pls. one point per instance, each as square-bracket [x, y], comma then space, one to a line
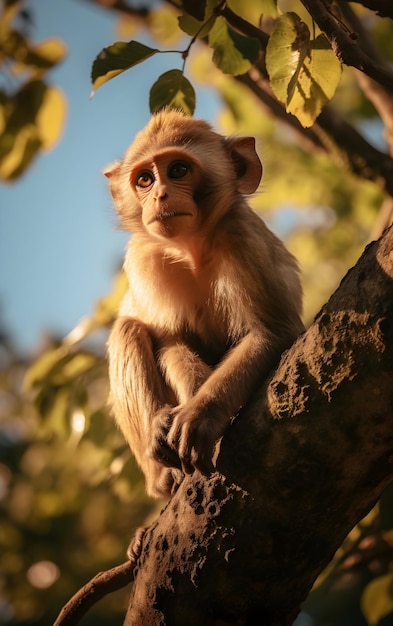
[117, 58]
[304, 74]
[44, 55]
[196, 8]
[172, 89]
[73, 367]
[198, 22]
[233, 53]
[287, 47]
[32, 120]
[377, 599]
[50, 118]
[53, 405]
[252, 11]
[40, 371]
[192, 26]
[58, 367]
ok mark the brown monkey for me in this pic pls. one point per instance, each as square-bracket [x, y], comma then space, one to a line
[214, 296]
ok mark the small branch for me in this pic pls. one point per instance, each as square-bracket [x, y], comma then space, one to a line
[355, 24]
[383, 8]
[122, 7]
[347, 49]
[383, 103]
[98, 587]
[244, 27]
[363, 159]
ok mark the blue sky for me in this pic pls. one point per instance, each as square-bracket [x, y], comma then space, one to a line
[59, 242]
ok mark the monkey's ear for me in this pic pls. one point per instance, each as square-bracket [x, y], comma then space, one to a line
[111, 169]
[248, 167]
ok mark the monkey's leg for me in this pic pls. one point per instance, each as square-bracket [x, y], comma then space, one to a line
[138, 392]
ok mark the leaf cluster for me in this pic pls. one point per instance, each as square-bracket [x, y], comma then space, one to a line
[304, 72]
[232, 53]
[71, 493]
[32, 112]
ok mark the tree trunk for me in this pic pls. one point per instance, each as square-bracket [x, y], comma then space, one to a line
[297, 469]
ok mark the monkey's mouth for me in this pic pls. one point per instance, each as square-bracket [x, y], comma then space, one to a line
[164, 215]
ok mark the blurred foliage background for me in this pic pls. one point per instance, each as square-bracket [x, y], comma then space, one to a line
[70, 492]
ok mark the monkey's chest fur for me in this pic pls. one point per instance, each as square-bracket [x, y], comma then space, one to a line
[173, 300]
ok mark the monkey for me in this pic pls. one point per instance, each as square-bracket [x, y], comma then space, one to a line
[214, 296]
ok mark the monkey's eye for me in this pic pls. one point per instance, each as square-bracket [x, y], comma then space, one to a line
[178, 169]
[145, 179]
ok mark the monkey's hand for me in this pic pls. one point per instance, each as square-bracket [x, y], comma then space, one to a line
[194, 433]
[159, 449]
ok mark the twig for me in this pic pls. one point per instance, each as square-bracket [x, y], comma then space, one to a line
[101, 585]
[384, 8]
[122, 7]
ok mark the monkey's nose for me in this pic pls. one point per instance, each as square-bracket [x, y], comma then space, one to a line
[160, 192]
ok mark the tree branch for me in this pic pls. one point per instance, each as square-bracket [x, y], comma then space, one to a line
[245, 28]
[380, 97]
[98, 587]
[345, 47]
[123, 7]
[260, 87]
[246, 545]
[362, 159]
[384, 8]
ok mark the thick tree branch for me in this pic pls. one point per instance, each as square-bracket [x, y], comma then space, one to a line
[380, 97]
[346, 48]
[297, 470]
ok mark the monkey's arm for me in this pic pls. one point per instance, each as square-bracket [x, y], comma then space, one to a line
[138, 391]
[183, 369]
[197, 425]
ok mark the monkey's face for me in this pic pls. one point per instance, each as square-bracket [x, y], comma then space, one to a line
[165, 186]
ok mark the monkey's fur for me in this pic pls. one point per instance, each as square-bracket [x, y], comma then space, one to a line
[214, 296]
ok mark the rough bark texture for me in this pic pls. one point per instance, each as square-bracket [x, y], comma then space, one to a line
[297, 470]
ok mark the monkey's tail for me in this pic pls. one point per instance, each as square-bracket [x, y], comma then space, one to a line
[101, 585]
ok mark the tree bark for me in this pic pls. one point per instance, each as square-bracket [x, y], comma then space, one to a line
[297, 469]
